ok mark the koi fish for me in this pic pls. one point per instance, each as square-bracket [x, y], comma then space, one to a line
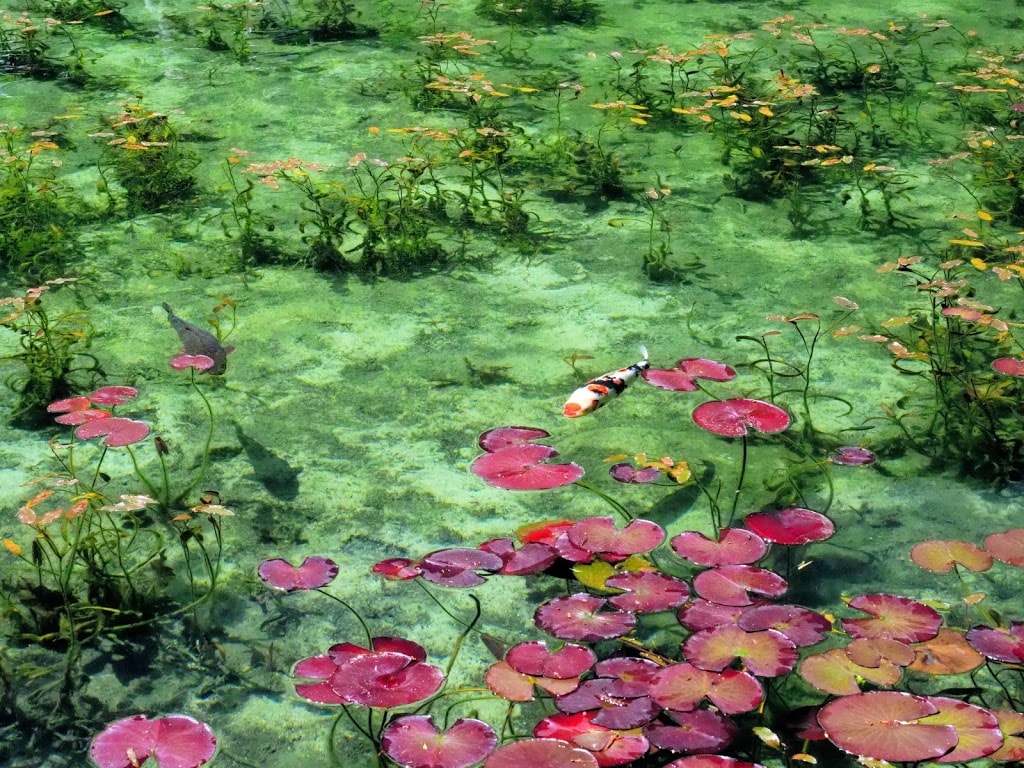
[597, 392]
[196, 341]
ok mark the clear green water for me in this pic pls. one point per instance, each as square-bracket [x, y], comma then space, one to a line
[377, 388]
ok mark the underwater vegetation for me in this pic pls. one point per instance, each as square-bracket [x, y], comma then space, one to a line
[711, 620]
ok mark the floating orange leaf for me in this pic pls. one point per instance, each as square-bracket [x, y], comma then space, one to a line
[940, 556]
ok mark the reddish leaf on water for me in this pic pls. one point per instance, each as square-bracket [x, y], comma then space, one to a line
[732, 584]
[833, 671]
[874, 651]
[735, 546]
[766, 653]
[510, 685]
[199, 362]
[541, 753]
[504, 437]
[315, 572]
[630, 676]
[852, 456]
[711, 761]
[1010, 366]
[609, 747]
[1007, 546]
[175, 741]
[70, 405]
[116, 431]
[701, 730]
[702, 614]
[619, 712]
[396, 569]
[801, 625]
[583, 617]
[385, 680]
[73, 418]
[519, 468]
[1005, 645]
[413, 741]
[1012, 725]
[734, 418]
[599, 535]
[683, 377]
[886, 725]
[948, 653]
[682, 687]
[534, 658]
[977, 729]
[532, 557]
[647, 591]
[895, 618]
[793, 525]
[939, 556]
[112, 395]
[627, 473]
[455, 567]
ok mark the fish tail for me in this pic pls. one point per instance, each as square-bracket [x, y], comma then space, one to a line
[167, 308]
[643, 352]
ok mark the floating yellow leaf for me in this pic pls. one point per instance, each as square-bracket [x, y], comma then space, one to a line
[979, 264]
[896, 322]
[766, 112]
[768, 736]
[968, 243]
[593, 575]
[741, 116]
[12, 547]
[803, 757]
[984, 215]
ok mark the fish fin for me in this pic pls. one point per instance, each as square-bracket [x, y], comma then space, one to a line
[228, 350]
[643, 352]
[167, 308]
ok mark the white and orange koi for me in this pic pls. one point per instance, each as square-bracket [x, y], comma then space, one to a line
[597, 392]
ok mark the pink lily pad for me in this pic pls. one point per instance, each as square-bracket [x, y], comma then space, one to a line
[619, 712]
[1007, 546]
[532, 557]
[175, 741]
[793, 525]
[385, 679]
[599, 535]
[113, 395]
[534, 658]
[1010, 366]
[583, 617]
[511, 685]
[630, 676]
[69, 404]
[647, 591]
[1006, 645]
[541, 753]
[711, 761]
[886, 725]
[504, 437]
[833, 671]
[765, 653]
[315, 572]
[609, 747]
[397, 569]
[413, 741]
[940, 556]
[732, 418]
[627, 473]
[117, 431]
[199, 362]
[455, 567]
[732, 584]
[801, 625]
[519, 468]
[977, 729]
[701, 730]
[852, 456]
[735, 546]
[74, 418]
[895, 618]
[683, 377]
[701, 614]
[681, 687]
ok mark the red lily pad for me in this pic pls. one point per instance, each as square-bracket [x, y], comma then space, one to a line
[583, 617]
[895, 618]
[608, 746]
[1012, 725]
[1007, 546]
[599, 535]
[940, 556]
[413, 741]
[519, 468]
[397, 569]
[455, 567]
[873, 651]
[385, 679]
[534, 658]
[793, 525]
[801, 625]
[683, 377]
[510, 685]
[977, 729]
[113, 395]
[630, 676]
[732, 584]
[175, 741]
[1011, 366]
[1005, 645]
[117, 431]
[70, 404]
[199, 362]
[504, 437]
[75, 417]
[541, 753]
[711, 761]
[681, 687]
[701, 730]
[702, 614]
[315, 572]
[619, 712]
[627, 473]
[734, 418]
[852, 456]
[766, 653]
[735, 546]
[647, 591]
[833, 671]
[886, 725]
[532, 557]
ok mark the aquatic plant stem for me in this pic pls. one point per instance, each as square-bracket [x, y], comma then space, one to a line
[627, 516]
[354, 612]
[739, 482]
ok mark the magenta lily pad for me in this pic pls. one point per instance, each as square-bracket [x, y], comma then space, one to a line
[583, 617]
[701, 730]
[793, 525]
[1010, 366]
[630, 676]
[541, 753]
[511, 685]
[385, 680]
[504, 437]
[599, 535]
[647, 591]
[977, 729]
[456, 567]
[532, 557]
[711, 761]
[701, 614]
[887, 725]
[413, 741]
[833, 671]
[766, 653]
[1007, 546]
[801, 625]
[520, 468]
[734, 418]
[534, 658]
[1005, 645]
[852, 456]
[198, 362]
[895, 618]
[627, 473]
[112, 395]
[619, 712]
[683, 377]
[175, 741]
[608, 746]
[681, 687]
[733, 584]
[116, 431]
[735, 546]
[315, 572]
[397, 569]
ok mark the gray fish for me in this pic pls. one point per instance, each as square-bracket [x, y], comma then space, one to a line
[196, 341]
[275, 474]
